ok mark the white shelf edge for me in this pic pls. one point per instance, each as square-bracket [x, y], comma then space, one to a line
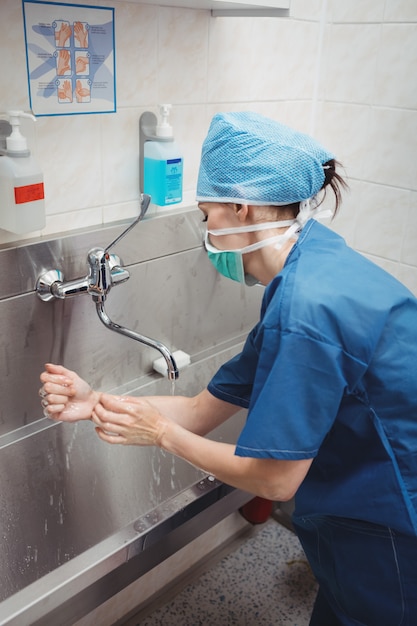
[225, 8]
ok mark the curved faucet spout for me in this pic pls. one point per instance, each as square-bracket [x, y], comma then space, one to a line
[170, 361]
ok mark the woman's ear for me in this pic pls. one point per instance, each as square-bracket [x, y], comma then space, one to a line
[241, 211]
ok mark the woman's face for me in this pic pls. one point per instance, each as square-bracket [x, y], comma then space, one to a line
[263, 262]
[223, 215]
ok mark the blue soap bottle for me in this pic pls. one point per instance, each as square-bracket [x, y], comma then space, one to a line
[163, 164]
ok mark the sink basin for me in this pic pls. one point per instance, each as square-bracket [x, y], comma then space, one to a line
[80, 519]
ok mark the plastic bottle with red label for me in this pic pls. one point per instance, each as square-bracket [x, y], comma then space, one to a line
[22, 196]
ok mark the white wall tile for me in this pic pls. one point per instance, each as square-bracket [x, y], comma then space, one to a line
[306, 9]
[14, 91]
[230, 61]
[344, 129]
[400, 11]
[261, 59]
[344, 222]
[409, 247]
[392, 148]
[396, 83]
[70, 156]
[136, 29]
[72, 220]
[359, 11]
[380, 223]
[182, 55]
[119, 136]
[189, 125]
[349, 70]
[120, 211]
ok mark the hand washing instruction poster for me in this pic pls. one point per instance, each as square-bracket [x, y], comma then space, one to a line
[70, 58]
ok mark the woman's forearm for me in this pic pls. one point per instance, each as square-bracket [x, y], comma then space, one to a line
[139, 421]
[269, 478]
[199, 414]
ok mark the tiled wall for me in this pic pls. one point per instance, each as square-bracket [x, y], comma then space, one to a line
[368, 115]
[344, 71]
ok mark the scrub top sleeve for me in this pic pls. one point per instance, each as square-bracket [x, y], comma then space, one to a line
[299, 385]
[233, 382]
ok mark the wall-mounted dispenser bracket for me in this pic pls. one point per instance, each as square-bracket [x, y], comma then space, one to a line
[147, 132]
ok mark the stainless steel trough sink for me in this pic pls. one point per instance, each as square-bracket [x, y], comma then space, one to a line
[80, 520]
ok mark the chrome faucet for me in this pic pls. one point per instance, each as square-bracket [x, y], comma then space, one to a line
[104, 271]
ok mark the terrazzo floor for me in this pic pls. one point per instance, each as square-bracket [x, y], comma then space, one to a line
[264, 580]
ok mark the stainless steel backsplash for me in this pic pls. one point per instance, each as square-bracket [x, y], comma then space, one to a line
[173, 295]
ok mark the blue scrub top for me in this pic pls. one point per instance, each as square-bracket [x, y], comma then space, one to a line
[330, 372]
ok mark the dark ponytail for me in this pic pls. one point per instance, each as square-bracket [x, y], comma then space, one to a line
[333, 179]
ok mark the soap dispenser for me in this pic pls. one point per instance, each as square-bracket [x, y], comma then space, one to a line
[22, 207]
[163, 163]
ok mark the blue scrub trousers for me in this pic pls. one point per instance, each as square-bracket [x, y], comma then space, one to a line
[367, 573]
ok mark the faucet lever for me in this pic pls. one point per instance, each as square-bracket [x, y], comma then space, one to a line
[144, 205]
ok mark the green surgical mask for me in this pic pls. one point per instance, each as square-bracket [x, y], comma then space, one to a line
[229, 263]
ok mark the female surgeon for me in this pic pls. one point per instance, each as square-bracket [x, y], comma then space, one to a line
[328, 375]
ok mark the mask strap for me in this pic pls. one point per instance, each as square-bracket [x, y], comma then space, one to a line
[309, 209]
[292, 232]
[251, 228]
[254, 246]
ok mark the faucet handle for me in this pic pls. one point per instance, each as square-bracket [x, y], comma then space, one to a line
[105, 270]
[144, 205]
[119, 274]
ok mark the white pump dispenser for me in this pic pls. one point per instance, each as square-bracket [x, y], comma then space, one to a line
[22, 207]
[163, 164]
[16, 142]
[164, 128]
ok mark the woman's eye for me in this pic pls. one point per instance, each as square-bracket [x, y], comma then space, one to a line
[204, 218]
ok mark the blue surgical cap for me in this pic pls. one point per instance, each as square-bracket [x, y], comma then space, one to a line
[249, 158]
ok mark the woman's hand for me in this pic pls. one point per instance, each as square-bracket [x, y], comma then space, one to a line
[129, 421]
[66, 396]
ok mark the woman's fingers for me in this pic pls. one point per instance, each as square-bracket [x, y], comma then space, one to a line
[134, 420]
[53, 410]
[57, 379]
[117, 409]
[125, 405]
[56, 388]
[54, 398]
[110, 438]
[51, 368]
[105, 419]
[108, 431]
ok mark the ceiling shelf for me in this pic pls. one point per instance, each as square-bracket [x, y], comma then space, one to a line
[224, 8]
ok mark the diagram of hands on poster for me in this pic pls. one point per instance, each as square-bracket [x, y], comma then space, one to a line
[70, 51]
[67, 61]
